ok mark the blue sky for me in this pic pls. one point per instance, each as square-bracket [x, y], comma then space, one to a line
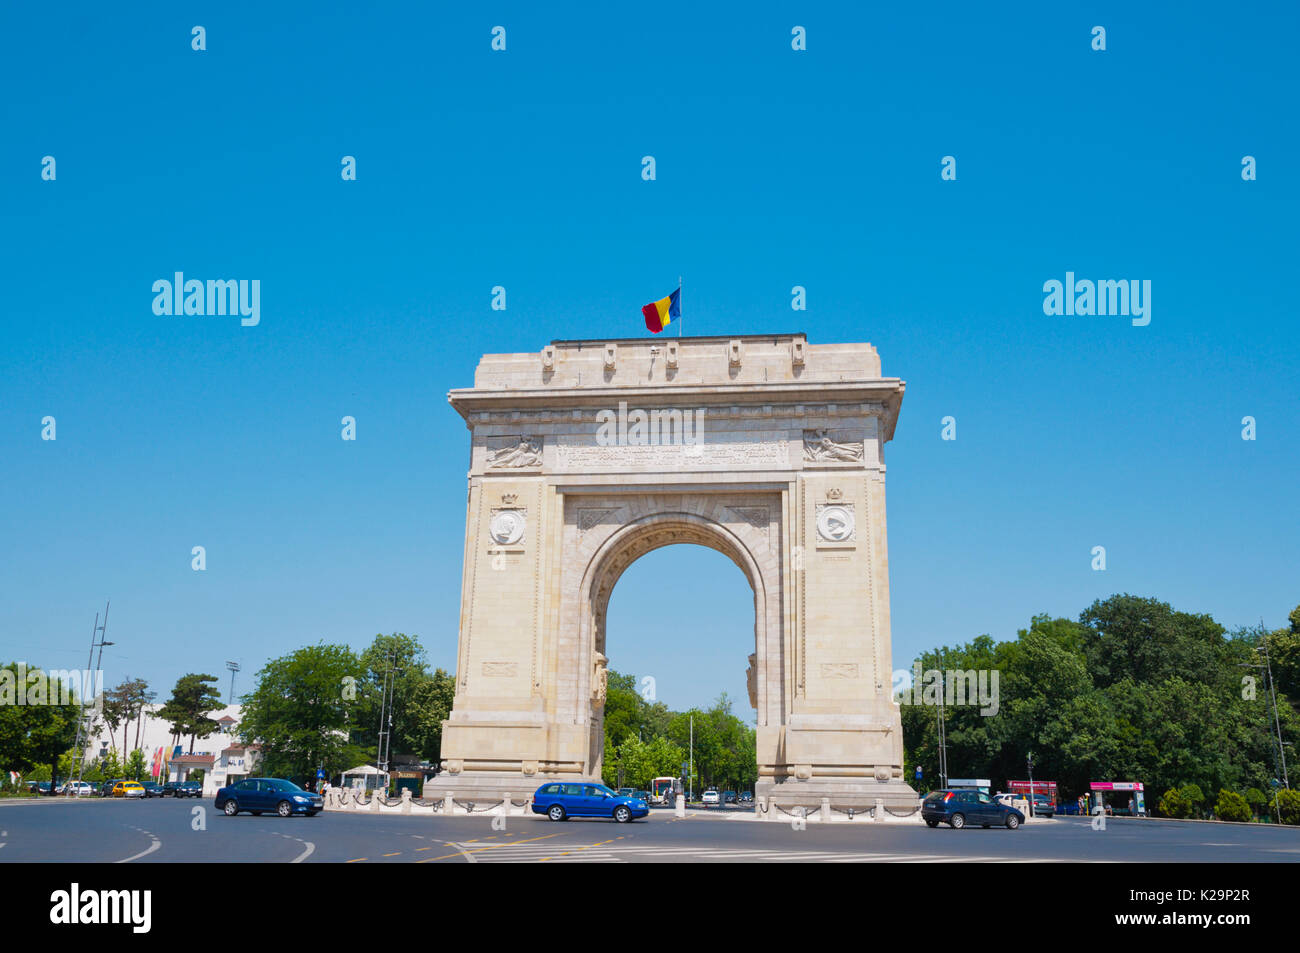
[775, 168]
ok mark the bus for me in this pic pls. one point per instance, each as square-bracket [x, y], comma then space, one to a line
[663, 790]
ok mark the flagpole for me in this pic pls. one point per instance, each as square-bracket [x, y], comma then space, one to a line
[681, 315]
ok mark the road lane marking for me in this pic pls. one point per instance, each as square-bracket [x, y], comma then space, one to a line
[485, 847]
[144, 853]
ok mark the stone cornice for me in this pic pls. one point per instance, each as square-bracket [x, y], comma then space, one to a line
[506, 406]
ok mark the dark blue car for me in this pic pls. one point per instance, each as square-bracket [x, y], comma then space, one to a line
[957, 809]
[256, 795]
[562, 800]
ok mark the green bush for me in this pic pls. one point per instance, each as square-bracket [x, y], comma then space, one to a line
[1194, 796]
[1175, 804]
[1288, 803]
[1231, 806]
[1257, 800]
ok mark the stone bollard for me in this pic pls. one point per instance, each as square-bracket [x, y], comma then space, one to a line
[406, 800]
[448, 805]
[826, 810]
[374, 801]
[681, 805]
[505, 804]
[879, 813]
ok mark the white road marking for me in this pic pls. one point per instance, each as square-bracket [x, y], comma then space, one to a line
[467, 854]
[144, 853]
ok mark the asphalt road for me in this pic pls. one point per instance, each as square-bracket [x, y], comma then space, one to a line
[164, 831]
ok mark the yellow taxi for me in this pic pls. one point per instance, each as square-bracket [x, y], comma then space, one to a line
[128, 789]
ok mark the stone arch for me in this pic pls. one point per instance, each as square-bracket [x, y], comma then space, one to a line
[784, 474]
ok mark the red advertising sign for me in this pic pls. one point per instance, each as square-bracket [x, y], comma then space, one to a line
[1039, 787]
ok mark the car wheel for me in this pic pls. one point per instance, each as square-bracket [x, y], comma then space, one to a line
[622, 814]
[231, 808]
[284, 809]
[958, 821]
[556, 813]
[929, 823]
[1012, 822]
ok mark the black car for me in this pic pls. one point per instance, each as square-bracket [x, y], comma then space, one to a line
[151, 789]
[182, 789]
[957, 809]
[1043, 806]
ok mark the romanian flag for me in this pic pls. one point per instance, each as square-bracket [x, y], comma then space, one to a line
[659, 314]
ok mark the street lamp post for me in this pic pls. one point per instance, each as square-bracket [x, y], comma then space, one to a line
[1029, 763]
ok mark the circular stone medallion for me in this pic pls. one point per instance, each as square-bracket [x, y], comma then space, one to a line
[507, 527]
[835, 523]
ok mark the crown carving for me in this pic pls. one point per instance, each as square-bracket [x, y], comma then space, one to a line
[834, 493]
[509, 498]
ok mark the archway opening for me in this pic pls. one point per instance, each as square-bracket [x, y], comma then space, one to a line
[678, 633]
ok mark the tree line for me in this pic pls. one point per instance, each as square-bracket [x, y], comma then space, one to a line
[1132, 690]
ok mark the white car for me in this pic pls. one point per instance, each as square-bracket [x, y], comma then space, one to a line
[711, 797]
[78, 788]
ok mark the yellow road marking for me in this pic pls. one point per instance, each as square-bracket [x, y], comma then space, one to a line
[393, 854]
[479, 850]
[356, 860]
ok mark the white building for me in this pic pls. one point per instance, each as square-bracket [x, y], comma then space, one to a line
[223, 758]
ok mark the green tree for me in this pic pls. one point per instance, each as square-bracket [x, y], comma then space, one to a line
[1147, 641]
[35, 734]
[398, 661]
[300, 712]
[187, 710]
[135, 767]
[431, 706]
[1257, 800]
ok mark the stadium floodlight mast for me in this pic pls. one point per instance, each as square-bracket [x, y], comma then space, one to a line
[234, 667]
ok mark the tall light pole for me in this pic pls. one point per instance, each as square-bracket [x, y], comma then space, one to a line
[943, 732]
[234, 667]
[97, 634]
[690, 773]
[1275, 730]
[386, 710]
[1272, 691]
[1029, 763]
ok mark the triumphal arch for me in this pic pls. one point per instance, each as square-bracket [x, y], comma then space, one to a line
[588, 454]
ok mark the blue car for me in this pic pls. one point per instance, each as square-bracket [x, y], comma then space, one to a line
[959, 809]
[561, 800]
[256, 795]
